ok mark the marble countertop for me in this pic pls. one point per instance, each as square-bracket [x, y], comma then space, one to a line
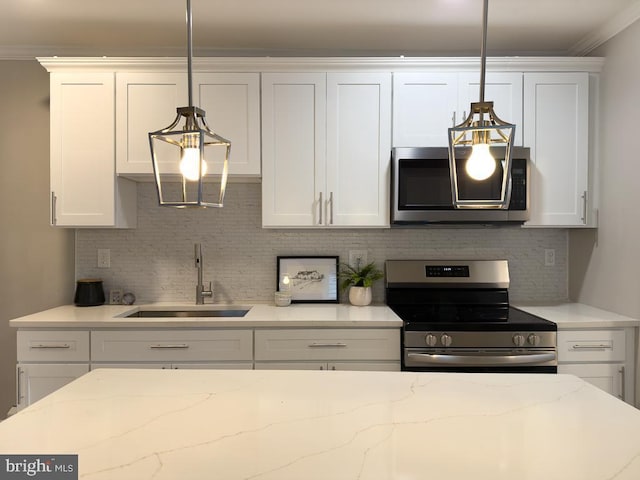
[567, 315]
[578, 315]
[286, 425]
[259, 315]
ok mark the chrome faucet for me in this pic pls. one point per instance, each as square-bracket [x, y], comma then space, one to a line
[201, 293]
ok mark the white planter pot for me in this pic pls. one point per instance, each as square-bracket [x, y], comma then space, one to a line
[360, 296]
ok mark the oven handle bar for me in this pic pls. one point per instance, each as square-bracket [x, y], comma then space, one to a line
[480, 360]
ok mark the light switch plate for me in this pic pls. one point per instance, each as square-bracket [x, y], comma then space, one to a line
[104, 258]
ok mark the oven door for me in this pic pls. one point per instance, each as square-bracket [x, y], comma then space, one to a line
[489, 360]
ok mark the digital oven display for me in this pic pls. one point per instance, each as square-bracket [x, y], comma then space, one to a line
[447, 270]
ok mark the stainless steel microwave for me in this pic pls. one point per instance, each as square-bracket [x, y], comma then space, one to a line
[422, 192]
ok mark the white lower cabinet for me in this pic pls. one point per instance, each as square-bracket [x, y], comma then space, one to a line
[172, 348]
[48, 360]
[602, 357]
[328, 349]
[37, 380]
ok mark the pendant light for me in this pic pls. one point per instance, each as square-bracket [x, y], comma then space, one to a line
[480, 147]
[184, 151]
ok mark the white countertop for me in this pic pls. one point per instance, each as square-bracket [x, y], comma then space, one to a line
[578, 315]
[286, 425]
[260, 315]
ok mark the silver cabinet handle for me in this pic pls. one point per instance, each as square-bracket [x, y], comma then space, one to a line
[622, 384]
[584, 207]
[51, 345]
[436, 359]
[19, 395]
[598, 346]
[453, 119]
[54, 200]
[320, 209]
[327, 345]
[330, 208]
[169, 345]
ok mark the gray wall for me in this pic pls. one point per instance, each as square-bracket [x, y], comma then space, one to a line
[604, 264]
[36, 261]
[155, 260]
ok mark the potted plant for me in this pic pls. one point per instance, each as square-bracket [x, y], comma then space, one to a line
[360, 280]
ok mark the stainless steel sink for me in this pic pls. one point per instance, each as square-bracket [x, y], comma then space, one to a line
[227, 312]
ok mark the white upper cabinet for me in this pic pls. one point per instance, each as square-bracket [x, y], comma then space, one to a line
[424, 107]
[556, 121]
[325, 149]
[147, 102]
[84, 188]
[426, 104]
[232, 105]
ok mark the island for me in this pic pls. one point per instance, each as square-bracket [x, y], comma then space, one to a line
[286, 425]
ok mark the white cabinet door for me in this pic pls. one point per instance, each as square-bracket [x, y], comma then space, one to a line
[325, 149]
[504, 89]
[293, 149]
[231, 102]
[424, 107]
[84, 190]
[358, 148]
[607, 377]
[426, 104]
[35, 381]
[556, 128]
[145, 102]
[331, 366]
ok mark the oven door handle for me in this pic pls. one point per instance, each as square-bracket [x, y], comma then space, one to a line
[481, 360]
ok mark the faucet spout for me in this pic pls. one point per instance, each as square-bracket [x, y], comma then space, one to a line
[201, 293]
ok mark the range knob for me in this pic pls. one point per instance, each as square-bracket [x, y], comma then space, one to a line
[446, 340]
[518, 340]
[533, 339]
[431, 340]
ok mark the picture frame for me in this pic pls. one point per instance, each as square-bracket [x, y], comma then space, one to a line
[115, 296]
[312, 279]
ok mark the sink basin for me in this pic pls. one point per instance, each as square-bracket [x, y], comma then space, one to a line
[225, 312]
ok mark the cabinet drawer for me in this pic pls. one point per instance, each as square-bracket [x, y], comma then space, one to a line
[53, 346]
[328, 344]
[591, 346]
[172, 346]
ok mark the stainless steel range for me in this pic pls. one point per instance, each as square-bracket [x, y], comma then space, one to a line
[457, 317]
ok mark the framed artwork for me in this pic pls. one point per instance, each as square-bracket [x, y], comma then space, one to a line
[309, 279]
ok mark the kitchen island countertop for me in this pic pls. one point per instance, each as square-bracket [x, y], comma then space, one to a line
[286, 425]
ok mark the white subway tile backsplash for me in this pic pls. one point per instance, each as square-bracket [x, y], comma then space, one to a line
[155, 261]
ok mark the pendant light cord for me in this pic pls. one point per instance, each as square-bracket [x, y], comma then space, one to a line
[189, 52]
[483, 51]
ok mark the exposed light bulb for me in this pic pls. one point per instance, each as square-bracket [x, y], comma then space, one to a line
[286, 282]
[481, 163]
[190, 162]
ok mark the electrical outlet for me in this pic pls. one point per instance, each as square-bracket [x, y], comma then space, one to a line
[104, 258]
[357, 258]
[549, 257]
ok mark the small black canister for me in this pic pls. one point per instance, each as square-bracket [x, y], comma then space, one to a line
[89, 292]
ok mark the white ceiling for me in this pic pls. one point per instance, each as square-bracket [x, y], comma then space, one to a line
[303, 27]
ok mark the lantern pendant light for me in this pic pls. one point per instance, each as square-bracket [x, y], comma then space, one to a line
[188, 146]
[480, 147]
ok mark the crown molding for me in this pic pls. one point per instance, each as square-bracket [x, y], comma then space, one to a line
[607, 30]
